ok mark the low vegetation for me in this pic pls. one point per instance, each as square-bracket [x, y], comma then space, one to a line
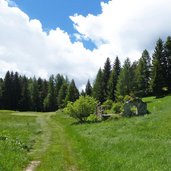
[136, 143]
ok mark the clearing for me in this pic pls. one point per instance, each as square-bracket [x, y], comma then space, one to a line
[60, 144]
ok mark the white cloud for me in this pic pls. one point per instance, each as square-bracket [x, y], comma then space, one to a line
[126, 27]
[123, 28]
[26, 48]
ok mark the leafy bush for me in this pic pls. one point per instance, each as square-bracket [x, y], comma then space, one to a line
[92, 118]
[81, 108]
[107, 105]
[117, 108]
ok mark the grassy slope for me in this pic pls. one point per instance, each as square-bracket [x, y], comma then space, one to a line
[138, 143]
[27, 136]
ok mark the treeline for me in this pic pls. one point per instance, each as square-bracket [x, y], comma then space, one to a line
[145, 77]
[30, 94]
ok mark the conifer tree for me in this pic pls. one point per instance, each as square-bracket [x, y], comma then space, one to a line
[72, 93]
[106, 76]
[1, 98]
[7, 91]
[62, 95]
[17, 86]
[34, 94]
[159, 71]
[88, 89]
[83, 93]
[167, 53]
[114, 79]
[98, 92]
[25, 101]
[125, 81]
[40, 95]
[50, 102]
[143, 75]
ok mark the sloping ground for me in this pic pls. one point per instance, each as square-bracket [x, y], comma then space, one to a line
[126, 144]
[137, 143]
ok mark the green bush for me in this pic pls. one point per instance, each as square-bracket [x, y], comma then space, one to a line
[117, 108]
[92, 118]
[81, 108]
[107, 105]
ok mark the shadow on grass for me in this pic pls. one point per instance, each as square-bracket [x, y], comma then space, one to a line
[85, 122]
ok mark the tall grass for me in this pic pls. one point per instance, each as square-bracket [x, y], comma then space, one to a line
[16, 140]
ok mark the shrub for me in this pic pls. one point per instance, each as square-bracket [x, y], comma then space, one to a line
[92, 118]
[81, 108]
[117, 108]
[107, 105]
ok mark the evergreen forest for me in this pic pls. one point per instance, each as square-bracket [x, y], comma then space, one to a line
[150, 75]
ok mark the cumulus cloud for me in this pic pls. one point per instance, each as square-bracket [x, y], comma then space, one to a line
[123, 28]
[126, 27]
[26, 48]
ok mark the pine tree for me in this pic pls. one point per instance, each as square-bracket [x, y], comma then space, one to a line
[143, 75]
[34, 94]
[16, 91]
[58, 83]
[50, 103]
[167, 53]
[7, 91]
[106, 76]
[25, 101]
[62, 95]
[159, 71]
[82, 93]
[114, 79]
[98, 92]
[88, 89]
[125, 82]
[40, 95]
[72, 93]
[1, 99]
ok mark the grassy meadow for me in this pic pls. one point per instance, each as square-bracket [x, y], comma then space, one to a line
[124, 144]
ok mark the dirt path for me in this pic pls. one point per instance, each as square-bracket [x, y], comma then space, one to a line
[32, 166]
[60, 154]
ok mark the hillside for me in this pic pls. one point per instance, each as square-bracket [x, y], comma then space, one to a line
[137, 143]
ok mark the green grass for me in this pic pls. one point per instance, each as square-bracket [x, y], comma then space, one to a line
[124, 144]
[23, 137]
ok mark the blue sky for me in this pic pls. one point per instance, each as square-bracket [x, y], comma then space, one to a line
[55, 13]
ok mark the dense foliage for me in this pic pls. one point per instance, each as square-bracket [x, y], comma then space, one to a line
[81, 108]
[145, 77]
[21, 93]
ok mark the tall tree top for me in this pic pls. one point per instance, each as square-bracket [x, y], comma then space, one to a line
[88, 89]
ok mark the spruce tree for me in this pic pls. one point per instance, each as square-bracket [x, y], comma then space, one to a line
[114, 79]
[58, 83]
[72, 93]
[125, 82]
[62, 95]
[7, 91]
[17, 86]
[106, 77]
[50, 102]
[143, 75]
[25, 99]
[159, 71]
[34, 94]
[88, 89]
[1, 98]
[40, 95]
[98, 92]
[167, 53]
